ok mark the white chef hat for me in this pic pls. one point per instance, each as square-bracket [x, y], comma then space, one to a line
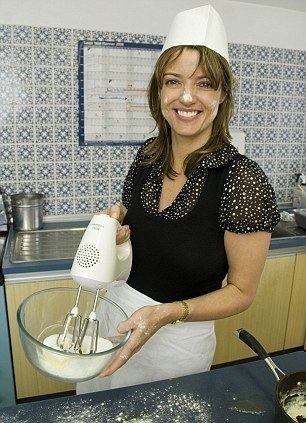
[199, 26]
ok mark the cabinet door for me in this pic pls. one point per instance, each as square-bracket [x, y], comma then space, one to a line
[296, 326]
[266, 318]
[29, 382]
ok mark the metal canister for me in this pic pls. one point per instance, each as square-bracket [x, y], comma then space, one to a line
[27, 211]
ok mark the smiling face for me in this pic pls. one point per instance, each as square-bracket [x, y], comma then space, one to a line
[189, 103]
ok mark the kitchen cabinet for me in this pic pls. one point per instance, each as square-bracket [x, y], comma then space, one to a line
[29, 382]
[266, 318]
[296, 325]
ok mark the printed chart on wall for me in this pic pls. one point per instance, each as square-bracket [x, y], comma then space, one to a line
[113, 81]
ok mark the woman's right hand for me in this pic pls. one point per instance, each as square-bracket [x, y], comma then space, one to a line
[118, 211]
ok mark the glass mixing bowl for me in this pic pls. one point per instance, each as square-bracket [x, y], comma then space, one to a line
[41, 315]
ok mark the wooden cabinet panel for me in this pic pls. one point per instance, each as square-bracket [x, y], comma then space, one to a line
[296, 325]
[266, 319]
[29, 382]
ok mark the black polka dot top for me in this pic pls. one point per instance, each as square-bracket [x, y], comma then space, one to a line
[247, 203]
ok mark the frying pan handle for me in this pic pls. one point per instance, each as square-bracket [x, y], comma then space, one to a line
[251, 342]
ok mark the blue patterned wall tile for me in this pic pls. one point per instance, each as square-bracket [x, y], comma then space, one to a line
[42, 36]
[263, 53]
[100, 203]
[262, 70]
[62, 133]
[259, 135]
[283, 150]
[6, 55]
[298, 136]
[261, 86]
[5, 34]
[259, 119]
[24, 115]
[257, 150]
[25, 153]
[62, 76]
[277, 55]
[42, 56]
[6, 114]
[43, 114]
[131, 152]
[273, 103]
[282, 165]
[300, 73]
[101, 153]
[260, 102]
[22, 55]
[6, 133]
[275, 87]
[300, 89]
[281, 180]
[50, 207]
[288, 88]
[285, 119]
[81, 34]
[46, 187]
[7, 172]
[64, 189]
[272, 135]
[63, 153]
[22, 35]
[65, 206]
[83, 188]
[62, 95]
[269, 165]
[290, 56]
[272, 119]
[24, 133]
[24, 95]
[62, 56]
[301, 58]
[285, 135]
[43, 95]
[235, 120]
[100, 170]
[63, 170]
[246, 102]
[6, 73]
[276, 71]
[23, 75]
[289, 72]
[296, 150]
[246, 118]
[248, 52]
[295, 165]
[62, 114]
[100, 187]
[6, 94]
[83, 205]
[247, 85]
[298, 120]
[62, 37]
[82, 170]
[248, 69]
[236, 68]
[27, 187]
[26, 171]
[118, 153]
[43, 75]
[7, 153]
[270, 150]
[118, 169]
[82, 153]
[43, 133]
[299, 104]
[45, 152]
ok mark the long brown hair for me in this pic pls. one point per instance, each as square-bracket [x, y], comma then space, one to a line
[218, 71]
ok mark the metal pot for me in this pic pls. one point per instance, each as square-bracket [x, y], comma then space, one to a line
[27, 211]
[290, 388]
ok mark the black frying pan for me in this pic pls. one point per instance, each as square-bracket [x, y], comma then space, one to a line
[290, 388]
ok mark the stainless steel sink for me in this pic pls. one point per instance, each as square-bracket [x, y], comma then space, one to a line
[46, 244]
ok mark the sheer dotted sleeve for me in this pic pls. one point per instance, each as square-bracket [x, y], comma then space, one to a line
[130, 177]
[248, 202]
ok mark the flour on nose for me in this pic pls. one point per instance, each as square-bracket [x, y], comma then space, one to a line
[186, 97]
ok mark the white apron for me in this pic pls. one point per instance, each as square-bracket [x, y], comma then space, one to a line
[173, 351]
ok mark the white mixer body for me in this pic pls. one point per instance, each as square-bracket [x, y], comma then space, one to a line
[99, 261]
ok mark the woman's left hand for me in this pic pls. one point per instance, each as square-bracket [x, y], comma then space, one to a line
[143, 323]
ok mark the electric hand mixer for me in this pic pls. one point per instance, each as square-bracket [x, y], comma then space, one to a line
[98, 263]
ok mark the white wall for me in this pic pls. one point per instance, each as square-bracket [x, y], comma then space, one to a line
[246, 23]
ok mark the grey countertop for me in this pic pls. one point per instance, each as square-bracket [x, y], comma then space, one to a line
[242, 393]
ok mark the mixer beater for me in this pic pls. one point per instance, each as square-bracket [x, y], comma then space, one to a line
[97, 264]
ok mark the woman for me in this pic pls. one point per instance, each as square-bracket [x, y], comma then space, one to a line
[196, 211]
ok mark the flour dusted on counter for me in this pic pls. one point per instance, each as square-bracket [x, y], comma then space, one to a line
[75, 366]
